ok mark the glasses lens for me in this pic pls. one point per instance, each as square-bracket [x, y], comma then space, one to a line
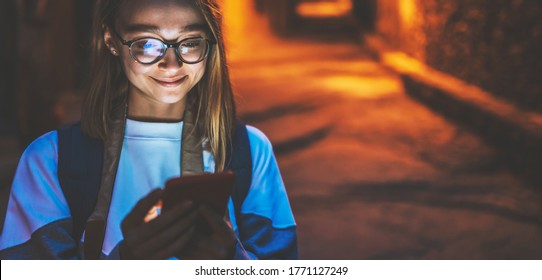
[147, 50]
[193, 50]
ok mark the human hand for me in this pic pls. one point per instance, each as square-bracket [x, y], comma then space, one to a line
[161, 237]
[219, 244]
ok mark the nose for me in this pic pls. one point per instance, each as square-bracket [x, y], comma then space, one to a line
[170, 61]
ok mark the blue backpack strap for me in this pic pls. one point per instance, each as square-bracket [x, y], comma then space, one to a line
[80, 160]
[239, 160]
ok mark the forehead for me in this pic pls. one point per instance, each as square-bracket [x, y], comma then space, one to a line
[163, 14]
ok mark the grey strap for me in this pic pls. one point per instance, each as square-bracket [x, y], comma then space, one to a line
[191, 146]
[95, 230]
[191, 163]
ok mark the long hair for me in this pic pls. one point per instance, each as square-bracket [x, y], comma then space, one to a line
[212, 98]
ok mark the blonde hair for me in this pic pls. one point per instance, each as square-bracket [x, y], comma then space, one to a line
[212, 98]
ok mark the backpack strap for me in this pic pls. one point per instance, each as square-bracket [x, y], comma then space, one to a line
[239, 160]
[80, 160]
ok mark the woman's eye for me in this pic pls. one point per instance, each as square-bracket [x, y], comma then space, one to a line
[193, 44]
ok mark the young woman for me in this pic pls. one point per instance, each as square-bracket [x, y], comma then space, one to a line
[160, 105]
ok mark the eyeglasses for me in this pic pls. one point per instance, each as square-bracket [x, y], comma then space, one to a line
[151, 50]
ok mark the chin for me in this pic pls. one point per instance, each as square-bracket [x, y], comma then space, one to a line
[171, 98]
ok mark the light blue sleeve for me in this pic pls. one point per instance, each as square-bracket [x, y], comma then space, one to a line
[267, 229]
[38, 220]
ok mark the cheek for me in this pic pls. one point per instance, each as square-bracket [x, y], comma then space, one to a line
[133, 69]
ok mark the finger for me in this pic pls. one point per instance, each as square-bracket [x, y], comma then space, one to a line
[141, 209]
[220, 244]
[137, 235]
[157, 242]
[211, 248]
[212, 218]
[176, 246]
[153, 213]
[180, 210]
[197, 250]
[222, 231]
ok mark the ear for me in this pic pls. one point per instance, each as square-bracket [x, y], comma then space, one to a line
[109, 40]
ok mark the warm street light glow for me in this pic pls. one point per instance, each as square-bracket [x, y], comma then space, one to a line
[360, 86]
[411, 28]
[407, 10]
[324, 9]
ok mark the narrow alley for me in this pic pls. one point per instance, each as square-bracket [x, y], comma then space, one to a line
[371, 173]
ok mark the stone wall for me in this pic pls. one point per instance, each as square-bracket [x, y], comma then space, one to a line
[494, 44]
[401, 25]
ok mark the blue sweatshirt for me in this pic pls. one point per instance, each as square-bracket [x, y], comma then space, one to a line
[38, 215]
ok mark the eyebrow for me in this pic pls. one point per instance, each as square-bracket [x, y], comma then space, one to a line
[132, 28]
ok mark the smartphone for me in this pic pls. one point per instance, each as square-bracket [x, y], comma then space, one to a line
[211, 189]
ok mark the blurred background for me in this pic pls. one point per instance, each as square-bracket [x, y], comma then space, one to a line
[404, 129]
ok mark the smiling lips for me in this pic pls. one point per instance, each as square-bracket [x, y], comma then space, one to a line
[170, 82]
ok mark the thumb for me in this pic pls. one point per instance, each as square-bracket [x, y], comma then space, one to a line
[140, 210]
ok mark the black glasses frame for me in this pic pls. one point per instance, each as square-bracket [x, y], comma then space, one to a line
[174, 46]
